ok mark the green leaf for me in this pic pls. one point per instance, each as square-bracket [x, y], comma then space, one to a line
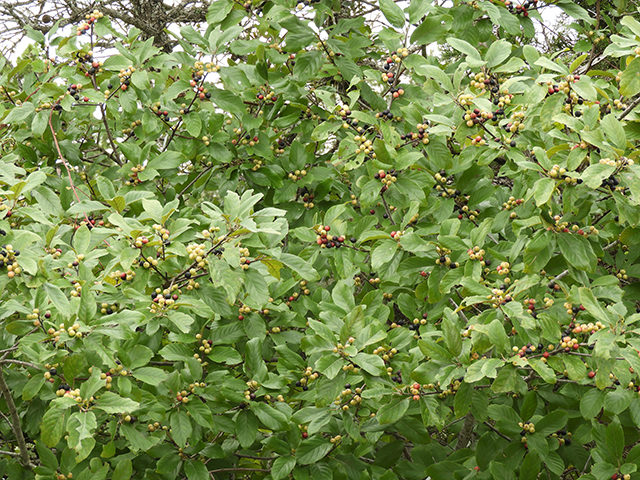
[282, 466]
[246, 428]
[595, 174]
[393, 411]
[298, 265]
[113, 403]
[393, 13]
[151, 375]
[498, 52]
[123, 470]
[577, 251]
[180, 427]
[58, 299]
[52, 427]
[617, 401]
[591, 304]
[463, 47]
[270, 417]
[430, 30]
[451, 333]
[630, 78]
[543, 190]
[312, 450]
[552, 422]
[614, 439]
[227, 101]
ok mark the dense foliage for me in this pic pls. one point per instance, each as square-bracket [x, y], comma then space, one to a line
[299, 246]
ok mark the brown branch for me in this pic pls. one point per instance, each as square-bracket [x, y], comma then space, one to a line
[220, 470]
[20, 362]
[15, 421]
[465, 434]
[628, 110]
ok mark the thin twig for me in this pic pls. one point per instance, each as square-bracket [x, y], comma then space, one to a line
[386, 207]
[498, 432]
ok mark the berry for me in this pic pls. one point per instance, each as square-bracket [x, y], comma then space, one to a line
[592, 374]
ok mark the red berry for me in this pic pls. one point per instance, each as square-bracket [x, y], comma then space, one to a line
[592, 374]
[240, 317]
[123, 275]
[305, 435]
[545, 354]
[372, 211]
[291, 299]
[576, 346]
[423, 273]
[327, 228]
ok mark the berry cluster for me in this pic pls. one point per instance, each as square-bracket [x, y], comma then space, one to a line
[133, 176]
[94, 65]
[366, 146]
[527, 350]
[444, 259]
[125, 77]
[385, 114]
[73, 90]
[421, 137]
[244, 138]
[90, 18]
[503, 268]
[386, 178]
[244, 309]
[521, 9]
[296, 175]
[326, 240]
[164, 299]
[107, 309]
[73, 331]
[8, 259]
[307, 377]
[197, 253]
[265, 93]
[499, 297]
[347, 397]
[158, 110]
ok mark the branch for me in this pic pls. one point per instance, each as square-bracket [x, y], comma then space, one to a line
[386, 207]
[496, 430]
[465, 434]
[15, 421]
[220, 470]
[628, 110]
[19, 362]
